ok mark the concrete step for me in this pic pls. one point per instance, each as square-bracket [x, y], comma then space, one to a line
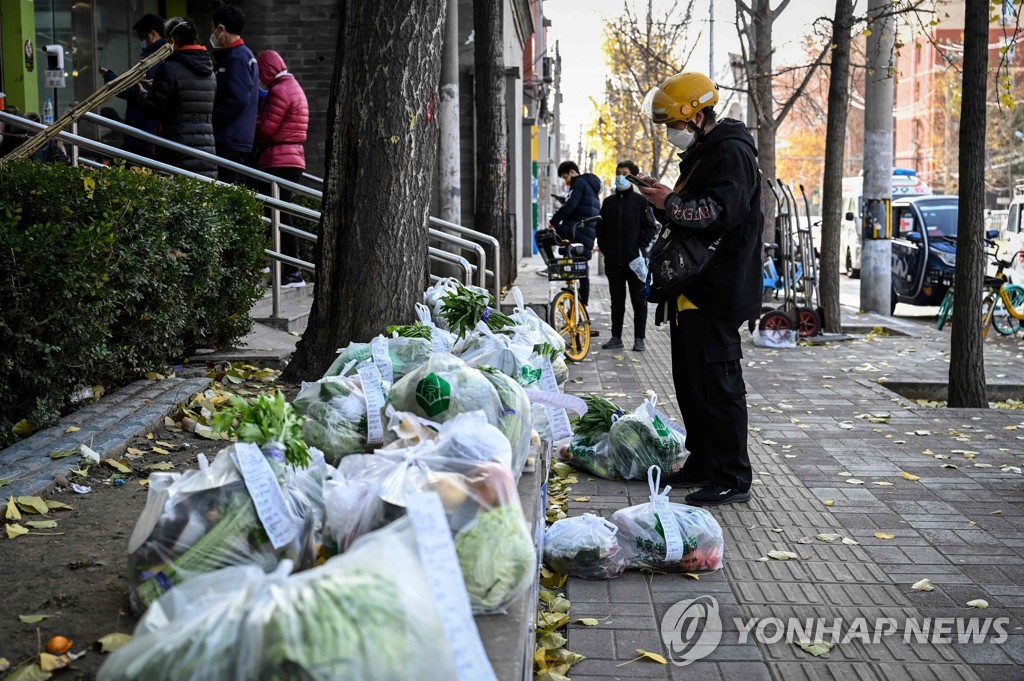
[294, 312]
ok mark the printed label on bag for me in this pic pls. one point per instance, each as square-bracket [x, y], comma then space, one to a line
[559, 420]
[441, 564]
[370, 378]
[670, 529]
[666, 421]
[266, 493]
[381, 358]
[436, 341]
[570, 402]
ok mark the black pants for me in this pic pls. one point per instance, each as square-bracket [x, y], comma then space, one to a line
[712, 398]
[620, 277]
[289, 242]
[230, 176]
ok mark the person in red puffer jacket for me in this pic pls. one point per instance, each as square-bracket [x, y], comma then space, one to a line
[280, 138]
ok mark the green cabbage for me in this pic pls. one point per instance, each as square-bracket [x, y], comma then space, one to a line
[443, 387]
[497, 557]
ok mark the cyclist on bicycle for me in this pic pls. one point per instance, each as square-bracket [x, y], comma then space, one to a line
[583, 203]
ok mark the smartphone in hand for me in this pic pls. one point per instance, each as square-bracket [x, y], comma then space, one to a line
[637, 181]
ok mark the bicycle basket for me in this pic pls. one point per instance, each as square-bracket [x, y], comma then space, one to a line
[564, 269]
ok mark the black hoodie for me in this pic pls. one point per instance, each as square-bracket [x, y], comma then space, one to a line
[719, 195]
[181, 99]
[582, 203]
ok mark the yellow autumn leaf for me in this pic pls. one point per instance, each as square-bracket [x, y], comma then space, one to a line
[909, 476]
[581, 499]
[162, 443]
[133, 451]
[72, 429]
[162, 466]
[112, 642]
[829, 502]
[23, 428]
[15, 530]
[59, 505]
[42, 524]
[116, 465]
[12, 510]
[49, 663]
[586, 621]
[884, 535]
[5, 664]
[692, 575]
[651, 656]
[161, 451]
[33, 505]
[33, 619]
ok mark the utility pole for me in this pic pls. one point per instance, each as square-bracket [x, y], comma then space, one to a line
[876, 228]
[711, 39]
[450, 175]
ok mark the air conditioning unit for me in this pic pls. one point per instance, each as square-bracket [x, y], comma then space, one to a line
[548, 70]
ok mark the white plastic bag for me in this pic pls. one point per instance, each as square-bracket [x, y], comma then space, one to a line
[584, 546]
[370, 614]
[639, 267]
[775, 338]
[341, 418]
[669, 537]
[394, 357]
[203, 520]
[444, 387]
[642, 439]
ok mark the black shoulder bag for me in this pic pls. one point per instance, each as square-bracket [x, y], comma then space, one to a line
[677, 257]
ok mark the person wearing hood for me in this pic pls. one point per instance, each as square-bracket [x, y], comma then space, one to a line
[150, 32]
[280, 138]
[582, 203]
[718, 195]
[181, 99]
[626, 229]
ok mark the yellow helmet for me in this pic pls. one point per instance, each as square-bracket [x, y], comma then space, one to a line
[679, 98]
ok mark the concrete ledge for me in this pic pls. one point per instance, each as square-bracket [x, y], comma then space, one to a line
[925, 390]
[106, 426]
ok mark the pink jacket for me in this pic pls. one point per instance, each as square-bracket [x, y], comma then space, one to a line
[284, 116]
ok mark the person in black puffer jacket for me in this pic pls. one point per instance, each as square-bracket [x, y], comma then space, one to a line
[625, 232]
[582, 203]
[181, 99]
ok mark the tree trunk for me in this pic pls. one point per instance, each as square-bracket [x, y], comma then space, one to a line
[765, 106]
[967, 352]
[835, 144]
[492, 216]
[371, 263]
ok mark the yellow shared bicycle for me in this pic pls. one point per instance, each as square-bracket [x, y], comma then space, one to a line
[566, 312]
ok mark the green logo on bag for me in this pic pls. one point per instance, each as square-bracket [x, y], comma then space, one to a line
[531, 375]
[433, 395]
[660, 427]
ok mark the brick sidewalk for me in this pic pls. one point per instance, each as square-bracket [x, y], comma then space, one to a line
[962, 527]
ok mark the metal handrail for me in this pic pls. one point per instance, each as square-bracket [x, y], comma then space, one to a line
[312, 178]
[445, 256]
[478, 236]
[196, 153]
[481, 255]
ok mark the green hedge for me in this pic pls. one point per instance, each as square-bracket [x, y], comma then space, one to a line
[106, 275]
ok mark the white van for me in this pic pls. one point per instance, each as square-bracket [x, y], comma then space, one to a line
[1012, 236]
[905, 184]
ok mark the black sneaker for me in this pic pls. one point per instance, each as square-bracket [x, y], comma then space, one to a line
[613, 343]
[716, 495]
[639, 345]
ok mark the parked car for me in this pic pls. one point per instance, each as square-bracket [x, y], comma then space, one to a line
[905, 184]
[1011, 234]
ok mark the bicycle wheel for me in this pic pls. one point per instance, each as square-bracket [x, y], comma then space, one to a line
[572, 323]
[988, 308]
[808, 323]
[945, 309]
[1004, 322]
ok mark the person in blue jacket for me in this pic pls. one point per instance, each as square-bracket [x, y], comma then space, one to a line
[582, 203]
[150, 32]
[237, 102]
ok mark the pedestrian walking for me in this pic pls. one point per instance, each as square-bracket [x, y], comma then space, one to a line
[150, 32]
[718, 195]
[181, 98]
[280, 141]
[626, 229]
[582, 203]
[236, 106]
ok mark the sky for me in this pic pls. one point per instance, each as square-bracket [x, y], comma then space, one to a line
[576, 25]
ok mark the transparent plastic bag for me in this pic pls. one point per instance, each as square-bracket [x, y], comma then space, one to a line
[584, 546]
[775, 338]
[441, 339]
[534, 329]
[642, 439]
[669, 537]
[336, 415]
[481, 501]
[370, 614]
[594, 455]
[515, 421]
[203, 520]
[444, 387]
[402, 356]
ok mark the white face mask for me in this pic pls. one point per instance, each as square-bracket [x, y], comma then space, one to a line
[213, 42]
[680, 139]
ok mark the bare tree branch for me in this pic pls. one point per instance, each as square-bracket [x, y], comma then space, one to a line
[800, 88]
[778, 10]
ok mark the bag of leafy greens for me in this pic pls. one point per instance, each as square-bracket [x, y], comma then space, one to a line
[204, 520]
[515, 420]
[480, 498]
[372, 614]
[444, 387]
[660, 535]
[395, 357]
[534, 329]
[336, 409]
[642, 439]
[590, 449]
[584, 546]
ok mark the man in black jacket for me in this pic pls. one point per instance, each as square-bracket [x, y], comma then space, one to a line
[718, 195]
[237, 102]
[150, 31]
[626, 229]
[582, 203]
[181, 99]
